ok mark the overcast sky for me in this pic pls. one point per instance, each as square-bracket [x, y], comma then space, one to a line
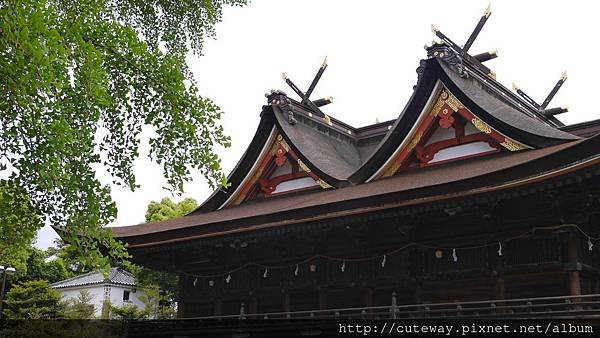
[373, 48]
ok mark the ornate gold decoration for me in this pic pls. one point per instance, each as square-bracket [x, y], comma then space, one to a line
[512, 145]
[445, 98]
[280, 141]
[415, 140]
[323, 184]
[303, 166]
[453, 102]
[437, 106]
[482, 126]
[488, 11]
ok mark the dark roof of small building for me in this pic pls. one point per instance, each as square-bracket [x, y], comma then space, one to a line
[116, 276]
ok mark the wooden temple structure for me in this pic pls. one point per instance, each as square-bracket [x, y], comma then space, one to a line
[474, 192]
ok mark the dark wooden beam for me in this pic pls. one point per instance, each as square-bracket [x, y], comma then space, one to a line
[476, 31]
[314, 82]
[554, 90]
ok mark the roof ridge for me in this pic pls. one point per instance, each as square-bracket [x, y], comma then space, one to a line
[74, 278]
[112, 278]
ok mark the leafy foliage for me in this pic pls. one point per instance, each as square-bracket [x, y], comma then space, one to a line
[69, 255]
[167, 209]
[79, 81]
[162, 287]
[18, 225]
[81, 307]
[158, 304]
[33, 300]
[39, 267]
[128, 311]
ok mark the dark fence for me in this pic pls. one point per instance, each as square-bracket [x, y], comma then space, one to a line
[541, 307]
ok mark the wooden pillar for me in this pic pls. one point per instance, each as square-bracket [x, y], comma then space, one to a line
[180, 308]
[253, 306]
[285, 301]
[574, 283]
[416, 291]
[322, 299]
[574, 276]
[367, 297]
[218, 307]
[498, 292]
[368, 300]
[182, 296]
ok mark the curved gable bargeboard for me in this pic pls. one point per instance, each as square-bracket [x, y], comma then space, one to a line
[446, 110]
[331, 150]
[277, 169]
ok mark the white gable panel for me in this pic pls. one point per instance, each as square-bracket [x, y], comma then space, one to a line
[462, 150]
[299, 183]
[441, 134]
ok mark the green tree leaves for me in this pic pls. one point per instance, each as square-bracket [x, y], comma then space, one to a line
[80, 307]
[18, 225]
[167, 209]
[33, 300]
[79, 81]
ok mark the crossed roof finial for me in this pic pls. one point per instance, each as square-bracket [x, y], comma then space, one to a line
[476, 61]
[542, 107]
[305, 97]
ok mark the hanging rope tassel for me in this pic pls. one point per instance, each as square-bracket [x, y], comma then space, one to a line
[383, 261]
[296, 270]
[590, 244]
[265, 274]
[195, 281]
[228, 279]
[343, 268]
[500, 249]
[454, 256]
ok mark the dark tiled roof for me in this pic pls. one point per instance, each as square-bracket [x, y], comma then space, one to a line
[115, 276]
[342, 155]
[584, 129]
[409, 183]
[501, 109]
[339, 158]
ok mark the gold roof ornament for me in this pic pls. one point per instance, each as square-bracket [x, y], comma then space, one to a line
[488, 11]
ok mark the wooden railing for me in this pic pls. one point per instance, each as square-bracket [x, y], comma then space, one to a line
[585, 307]
[541, 307]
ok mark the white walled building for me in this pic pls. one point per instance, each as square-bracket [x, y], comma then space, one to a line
[118, 287]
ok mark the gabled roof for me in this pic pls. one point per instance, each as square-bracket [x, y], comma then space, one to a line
[363, 168]
[470, 177]
[342, 155]
[116, 276]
